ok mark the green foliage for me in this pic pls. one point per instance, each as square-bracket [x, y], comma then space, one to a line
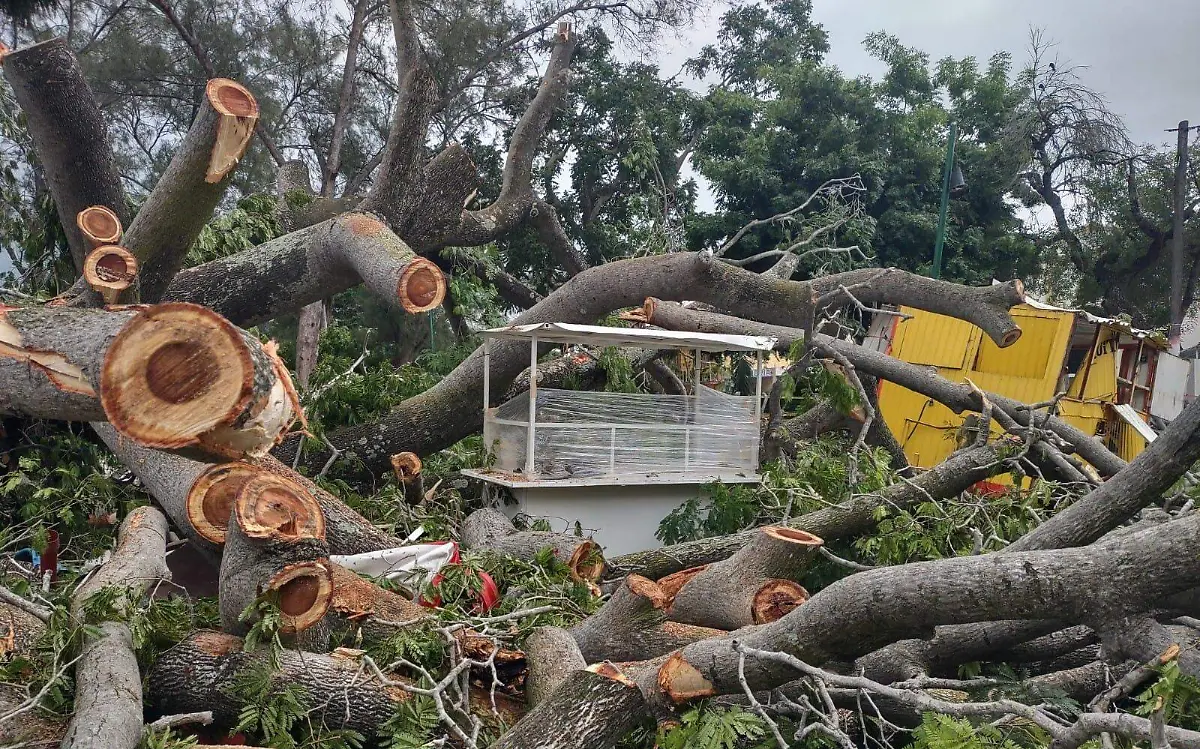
[60, 479]
[166, 739]
[266, 622]
[252, 222]
[705, 727]
[278, 714]
[618, 371]
[945, 732]
[419, 645]
[1176, 693]
[414, 724]
[934, 530]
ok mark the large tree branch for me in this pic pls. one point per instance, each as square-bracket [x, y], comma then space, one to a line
[201, 55]
[69, 134]
[333, 161]
[307, 265]
[436, 419]
[172, 376]
[859, 613]
[516, 197]
[185, 197]
[108, 685]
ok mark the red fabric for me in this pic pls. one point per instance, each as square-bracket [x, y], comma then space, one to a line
[486, 598]
[989, 489]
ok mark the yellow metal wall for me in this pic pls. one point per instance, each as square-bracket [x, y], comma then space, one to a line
[1027, 371]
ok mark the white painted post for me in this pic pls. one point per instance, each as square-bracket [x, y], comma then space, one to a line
[529, 437]
[758, 366]
[487, 378]
[696, 384]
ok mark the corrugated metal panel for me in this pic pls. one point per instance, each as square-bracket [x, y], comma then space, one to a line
[1135, 421]
[933, 340]
[1036, 354]
[1101, 373]
[1170, 386]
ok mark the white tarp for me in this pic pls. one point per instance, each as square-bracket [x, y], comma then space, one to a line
[1170, 386]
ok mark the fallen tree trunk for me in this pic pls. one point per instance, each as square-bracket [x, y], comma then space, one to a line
[436, 419]
[173, 376]
[488, 530]
[108, 685]
[552, 656]
[195, 675]
[632, 625]
[275, 543]
[595, 708]
[959, 397]
[1119, 498]
[852, 517]
[754, 586]
[310, 264]
[69, 134]
[864, 611]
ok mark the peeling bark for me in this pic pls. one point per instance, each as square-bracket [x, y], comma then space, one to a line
[632, 625]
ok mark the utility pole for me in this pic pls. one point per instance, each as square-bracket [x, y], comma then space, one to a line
[941, 230]
[1175, 332]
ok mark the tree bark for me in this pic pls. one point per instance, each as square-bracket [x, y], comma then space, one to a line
[632, 625]
[551, 655]
[859, 613]
[436, 418]
[850, 518]
[275, 542]
[184, 198]
[754, 586]
[69, 135]
[307, 265]
[195, 675]
[488, 530]
[587, 709]
[1121, 497]
[368, 611]
[108, 685]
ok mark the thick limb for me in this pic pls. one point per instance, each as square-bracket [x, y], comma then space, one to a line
[108, 685]
[69, 135]
[632, 625]
[489, 531]
[310, 264]
[595, 708]
[435, 419]
[552, 655]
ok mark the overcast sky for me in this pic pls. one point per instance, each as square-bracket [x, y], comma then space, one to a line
[1146, 61]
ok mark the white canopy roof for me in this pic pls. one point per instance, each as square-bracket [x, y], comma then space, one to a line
[598, 335]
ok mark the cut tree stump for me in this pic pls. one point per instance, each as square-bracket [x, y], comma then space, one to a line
[754, 586]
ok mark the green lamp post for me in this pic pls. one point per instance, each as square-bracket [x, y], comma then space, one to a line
[952, 183]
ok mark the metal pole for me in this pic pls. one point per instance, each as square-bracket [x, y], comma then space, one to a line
[487, 368]
[696, 384]
[941, 229]
[529, 436]
[1181, 173]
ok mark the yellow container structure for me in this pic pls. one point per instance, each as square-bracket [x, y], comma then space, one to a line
[1105, 368]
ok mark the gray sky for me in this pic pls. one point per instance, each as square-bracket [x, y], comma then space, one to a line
[1144, 57]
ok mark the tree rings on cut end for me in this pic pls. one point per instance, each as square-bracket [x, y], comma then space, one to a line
[173, 373]
[210, 500]
[586, 562]
[99, 224]
[793, 535]
[238, 113]
[270, 506]
[776, 599]
[109, 270]
[682, 681]
[304, 591]
[422, 286]
[406, 465]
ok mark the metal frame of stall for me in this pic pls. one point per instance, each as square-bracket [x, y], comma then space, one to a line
[569, 333]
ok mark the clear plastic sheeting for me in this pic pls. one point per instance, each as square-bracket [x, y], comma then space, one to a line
[589, 434]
